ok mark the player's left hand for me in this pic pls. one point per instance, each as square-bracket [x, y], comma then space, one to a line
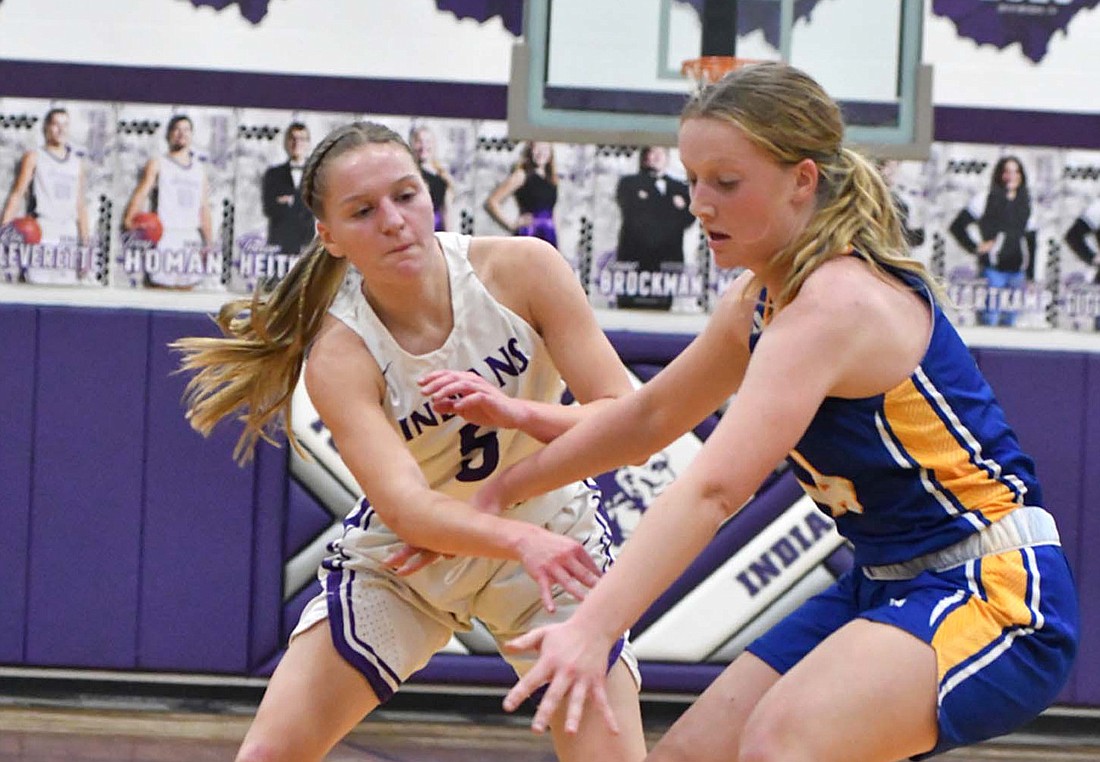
[467, 394]
[552, 559]
[572, 662]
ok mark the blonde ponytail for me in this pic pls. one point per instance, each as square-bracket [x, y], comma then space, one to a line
[254, 367]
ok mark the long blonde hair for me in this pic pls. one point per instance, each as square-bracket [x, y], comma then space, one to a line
[787, 114]
[253, 368]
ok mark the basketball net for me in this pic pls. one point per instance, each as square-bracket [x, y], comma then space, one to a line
[706, 70]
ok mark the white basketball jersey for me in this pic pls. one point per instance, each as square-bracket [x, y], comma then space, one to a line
[488, 338]
[56, 186]
[179, 194]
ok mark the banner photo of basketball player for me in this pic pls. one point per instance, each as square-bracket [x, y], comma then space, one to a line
[444, 150]
[993, 213]
[271, 223]
[533, 188]
[174, 193]
[55, 172]
[1075, 248]
[649, 253]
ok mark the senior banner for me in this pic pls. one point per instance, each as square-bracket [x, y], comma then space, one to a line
[993, 216]
[56, 165]
[1076, 248]
[533, 188]
[174, 194]
[272, 225]
[647, 249]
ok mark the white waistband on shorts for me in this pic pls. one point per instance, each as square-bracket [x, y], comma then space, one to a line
[1023, 527]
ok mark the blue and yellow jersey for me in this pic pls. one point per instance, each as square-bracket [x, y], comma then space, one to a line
[920, 467]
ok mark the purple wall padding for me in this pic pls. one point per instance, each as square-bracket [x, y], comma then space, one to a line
[1042, 394]
[465, 669]
[663, 677]
[127, 541]
[305, 519]
[85, 541]
[197, 527]
[653, 348]
[17, 379]
[269, 528]
[1088, 561]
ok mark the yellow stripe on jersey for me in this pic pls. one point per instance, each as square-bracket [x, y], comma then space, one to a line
[972, 627]
[922, 435]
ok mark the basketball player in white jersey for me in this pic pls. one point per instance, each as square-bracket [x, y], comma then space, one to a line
[435, 360]
[181, 201]
[50, 187]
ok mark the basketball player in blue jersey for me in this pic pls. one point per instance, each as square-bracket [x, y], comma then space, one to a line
[435, 359]
[959, 620]
[50, 186]
[533, 183]
[177, 184]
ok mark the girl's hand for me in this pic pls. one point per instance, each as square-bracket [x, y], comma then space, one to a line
[470, 396]
[552, 559]
[573, 663]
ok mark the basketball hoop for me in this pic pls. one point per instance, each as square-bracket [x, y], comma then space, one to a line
[706, 70]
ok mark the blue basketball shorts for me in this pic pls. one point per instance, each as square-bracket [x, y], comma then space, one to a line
[1004, 628]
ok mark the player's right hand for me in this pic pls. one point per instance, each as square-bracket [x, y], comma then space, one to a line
[555, 560]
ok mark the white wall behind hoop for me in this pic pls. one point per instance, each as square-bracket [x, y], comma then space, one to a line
[969, 75]
[411, 39]
[384, 39]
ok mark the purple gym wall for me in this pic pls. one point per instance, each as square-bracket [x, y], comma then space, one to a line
[130, 543]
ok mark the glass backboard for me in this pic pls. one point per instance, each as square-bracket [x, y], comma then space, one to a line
[609, 71]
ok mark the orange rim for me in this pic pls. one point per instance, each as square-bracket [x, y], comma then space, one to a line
[707, 70]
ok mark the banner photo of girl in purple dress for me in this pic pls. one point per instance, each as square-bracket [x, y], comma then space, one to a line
[444, 149]
[174, 192]
[271, 224]
[534, 188]
[532, 185]
[1078, 245]
[649, 251]
[991, 203]
[56, 160]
